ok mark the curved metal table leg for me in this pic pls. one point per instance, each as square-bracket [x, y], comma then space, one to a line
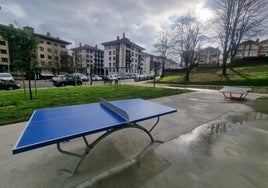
[155, 124]
[90, 146]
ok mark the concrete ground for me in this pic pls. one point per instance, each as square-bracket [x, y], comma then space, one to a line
[127, 159]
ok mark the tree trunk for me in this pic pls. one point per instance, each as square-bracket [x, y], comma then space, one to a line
[163, 67]
[187, 75]
[30, 87]
[224, 66]
[224, 69]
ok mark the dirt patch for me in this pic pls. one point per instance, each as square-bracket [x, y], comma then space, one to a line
[8, 106]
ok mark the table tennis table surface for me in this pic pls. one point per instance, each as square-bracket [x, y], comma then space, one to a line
[54, 125]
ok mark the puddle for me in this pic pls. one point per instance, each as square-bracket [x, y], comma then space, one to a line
[222, 154]
[231, 153]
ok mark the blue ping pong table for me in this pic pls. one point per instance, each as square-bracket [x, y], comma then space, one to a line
[56, 125]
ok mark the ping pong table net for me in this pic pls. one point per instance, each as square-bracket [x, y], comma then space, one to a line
[114, 109]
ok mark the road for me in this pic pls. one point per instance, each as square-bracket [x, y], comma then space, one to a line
[48, 83]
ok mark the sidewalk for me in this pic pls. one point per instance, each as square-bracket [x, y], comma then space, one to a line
[116, 153]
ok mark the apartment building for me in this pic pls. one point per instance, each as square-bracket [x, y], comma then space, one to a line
[50, 54]
[252, 48]
[247, 49]
[209, 56]
[171, 64]
[153, 64]
[263, 48]
[88, 59]
[4, 56]
[121, 56]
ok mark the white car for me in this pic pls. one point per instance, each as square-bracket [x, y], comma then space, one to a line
[96, 78]
[56, 78]
[112, 77]
[6, 76]
[82, 76]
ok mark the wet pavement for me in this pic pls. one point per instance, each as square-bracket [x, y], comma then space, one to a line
[217, 154]
[209, 142]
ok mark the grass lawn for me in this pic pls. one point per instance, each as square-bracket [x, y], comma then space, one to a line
[14, 108]
[254, 75]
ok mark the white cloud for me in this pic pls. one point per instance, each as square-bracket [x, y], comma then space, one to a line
[14, 9]
[96, 21]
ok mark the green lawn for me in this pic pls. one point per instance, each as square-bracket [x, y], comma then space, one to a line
[256, 75]
[14, 108]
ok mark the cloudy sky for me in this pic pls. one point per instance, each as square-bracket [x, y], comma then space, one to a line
[95, 21]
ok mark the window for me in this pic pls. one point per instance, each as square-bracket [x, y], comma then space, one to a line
[42, 56]
[110, 52]
[3, 51]
[110, 59]
[49, 57]
[4, 60]
[41, 48]
[48, 50]
[3, 43]
[62, 46]
[49, 43]
[55, 44]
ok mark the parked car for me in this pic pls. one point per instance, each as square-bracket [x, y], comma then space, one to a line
[129, 76]
[96, 78]
[8, 84]
[82, 76]
[55, 78]
[6, 76]
[68, 79]
[112, 77]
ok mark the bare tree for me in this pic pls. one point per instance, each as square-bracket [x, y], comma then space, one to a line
[162, 46]
[186, 41]
[236, 20]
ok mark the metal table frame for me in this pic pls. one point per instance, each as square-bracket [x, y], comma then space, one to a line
[96, 141]
[234, 92]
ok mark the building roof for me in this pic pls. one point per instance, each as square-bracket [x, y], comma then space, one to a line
[122, 40]
[211, 49]
[87, 47]
[49, 37]
[264, 41]
[250, 42]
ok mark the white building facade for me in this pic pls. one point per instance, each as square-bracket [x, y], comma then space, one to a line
[122, 56]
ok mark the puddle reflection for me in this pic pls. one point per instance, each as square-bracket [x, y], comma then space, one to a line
[229, 126]
[225, 153]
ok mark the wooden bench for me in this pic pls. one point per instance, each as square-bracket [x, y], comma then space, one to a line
[235, 92]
